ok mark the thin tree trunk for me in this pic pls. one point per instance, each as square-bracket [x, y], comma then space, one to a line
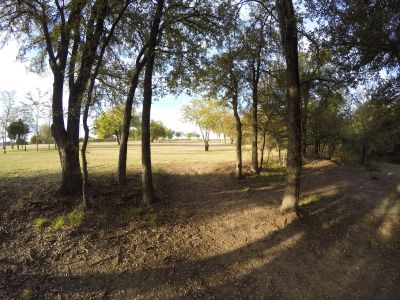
[254, 144]
[305, 121]
[238, 123]
[263, 147]
[126, 123]
[288, 30]
[85, 179]
[147, 176]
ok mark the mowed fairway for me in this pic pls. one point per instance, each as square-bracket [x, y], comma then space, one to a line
[103, 157]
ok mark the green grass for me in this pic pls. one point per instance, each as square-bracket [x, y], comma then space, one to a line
[58, 223]
[41, 222]
[73, 219]
[27, 294]
[103, 157]
[313, 198]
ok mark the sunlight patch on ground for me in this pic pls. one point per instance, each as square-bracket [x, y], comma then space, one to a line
[389, 210]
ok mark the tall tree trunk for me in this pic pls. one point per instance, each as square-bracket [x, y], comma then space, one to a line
[85, 179]
[254, 144]
[126, 123]
[147, 176]
[238, 123]
[288, 31]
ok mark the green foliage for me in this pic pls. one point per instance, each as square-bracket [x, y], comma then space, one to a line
[205, 113]
[18, 130]
[157, 130]
[41, 222]
[109, 123]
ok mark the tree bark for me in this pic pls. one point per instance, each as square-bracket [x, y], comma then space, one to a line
[304, 124]
[206, 145]
[264, 133]
[288, 31]
[126, 123]
[254, 143]
[147, 176]
[85, 179]
[238, 123]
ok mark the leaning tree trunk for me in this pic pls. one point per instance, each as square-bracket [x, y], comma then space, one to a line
[239, 163]
[288, 31]
[126, 123]
[147, 176]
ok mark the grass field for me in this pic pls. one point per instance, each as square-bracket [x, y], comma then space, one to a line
[103, 157]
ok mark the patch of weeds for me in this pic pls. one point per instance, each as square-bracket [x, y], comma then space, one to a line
[102, 218]
[75, 218]
[26, 198]
[152, 218]
[58, 223]
[41, 222]
[316, 197]
[5, 216]
[247, 189]
[130, 214]
[313, 198]
[27, 294]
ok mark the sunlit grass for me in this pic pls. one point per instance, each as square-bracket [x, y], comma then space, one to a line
[314, 198]
[103, 157]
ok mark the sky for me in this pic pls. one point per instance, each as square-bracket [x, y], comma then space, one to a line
[14, 75]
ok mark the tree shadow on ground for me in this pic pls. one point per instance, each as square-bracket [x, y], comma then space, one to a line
[346, 246]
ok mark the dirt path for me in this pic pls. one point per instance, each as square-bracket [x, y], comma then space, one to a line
[211, 237]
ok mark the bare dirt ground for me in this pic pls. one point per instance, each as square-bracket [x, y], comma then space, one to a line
[209, 237]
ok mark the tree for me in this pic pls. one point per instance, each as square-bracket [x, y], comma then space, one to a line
[170, 133]
[288, 32]
[18, 131]
[364, 35]
[7, 99]
[37, 107]
[204, 113]
[157, 130]
[147, 177]
[109, 124]
[69, 37]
